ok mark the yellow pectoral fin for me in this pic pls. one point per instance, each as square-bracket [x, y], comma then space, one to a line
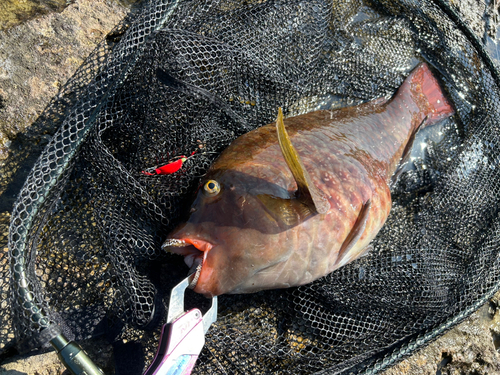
[308, 193]
[287, 212]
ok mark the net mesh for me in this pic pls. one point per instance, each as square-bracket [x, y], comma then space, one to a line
[181, 76]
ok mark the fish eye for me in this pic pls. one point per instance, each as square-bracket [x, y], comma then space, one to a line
[212, 187]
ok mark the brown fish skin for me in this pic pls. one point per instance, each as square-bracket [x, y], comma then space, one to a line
[254, 234]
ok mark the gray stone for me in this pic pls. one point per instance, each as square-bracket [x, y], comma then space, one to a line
[39, 56]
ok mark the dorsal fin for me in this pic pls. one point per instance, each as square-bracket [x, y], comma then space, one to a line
[307, 192]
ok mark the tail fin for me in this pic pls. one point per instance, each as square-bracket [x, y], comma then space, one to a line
[426, 92]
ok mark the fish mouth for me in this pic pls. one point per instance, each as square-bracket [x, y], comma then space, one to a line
[194, 252]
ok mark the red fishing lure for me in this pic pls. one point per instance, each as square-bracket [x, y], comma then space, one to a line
[170, 167]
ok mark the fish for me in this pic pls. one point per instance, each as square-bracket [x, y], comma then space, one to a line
[290, 202]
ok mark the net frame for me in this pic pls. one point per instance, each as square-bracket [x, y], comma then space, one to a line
[44, 183]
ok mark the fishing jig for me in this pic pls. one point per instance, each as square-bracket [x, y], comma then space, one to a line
[174, 166]
[169, 168]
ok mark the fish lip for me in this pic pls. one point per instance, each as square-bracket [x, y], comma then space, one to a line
[195, 253]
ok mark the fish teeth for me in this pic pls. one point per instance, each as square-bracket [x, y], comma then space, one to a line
[173, 242]
[195, 272]
[193, 260]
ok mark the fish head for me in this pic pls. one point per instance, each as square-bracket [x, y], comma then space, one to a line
[238, 238]
[231, 238]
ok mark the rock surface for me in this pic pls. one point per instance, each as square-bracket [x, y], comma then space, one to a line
[39, 56]
[49, 364]
[41, 364]
[14, 12]
[469, 348]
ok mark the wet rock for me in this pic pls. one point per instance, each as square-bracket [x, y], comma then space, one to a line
[469, 348]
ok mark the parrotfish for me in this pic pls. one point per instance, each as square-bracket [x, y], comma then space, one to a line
[292, 201]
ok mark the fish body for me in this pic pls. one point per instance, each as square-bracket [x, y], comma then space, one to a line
[267, 218]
